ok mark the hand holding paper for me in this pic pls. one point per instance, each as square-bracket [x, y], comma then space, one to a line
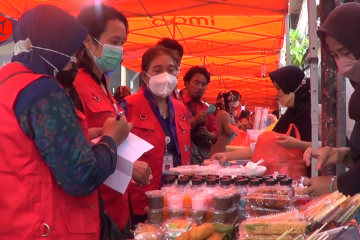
[128, 152]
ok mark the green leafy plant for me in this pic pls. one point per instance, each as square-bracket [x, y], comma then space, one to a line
[299, 45]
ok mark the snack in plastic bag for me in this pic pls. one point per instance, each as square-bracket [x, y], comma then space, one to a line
[274, 226]
[269, 197]
[146, 232]
[174, 227]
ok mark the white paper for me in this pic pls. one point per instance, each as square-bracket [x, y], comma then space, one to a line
[128, 152]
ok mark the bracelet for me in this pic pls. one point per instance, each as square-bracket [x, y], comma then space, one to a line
[332, 184]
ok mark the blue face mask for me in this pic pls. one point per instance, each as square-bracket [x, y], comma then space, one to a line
[110, 58]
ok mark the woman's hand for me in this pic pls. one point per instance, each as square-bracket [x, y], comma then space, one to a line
[95, 133]
[221, 157]
[117, 130]
[141, 173]
[325, 156]
[318, 186]
[287, 142]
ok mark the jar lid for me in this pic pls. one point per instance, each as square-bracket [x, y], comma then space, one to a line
[270, 182]
[210, 182]
[254, 182]
[225, 182]
[169, 180]
[241, 182]
[196, 182]
[281, 176]
[182, 182]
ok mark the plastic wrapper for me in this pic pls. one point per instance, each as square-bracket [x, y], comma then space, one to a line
[274, 226]
[172, 228]
[251, 211]
[266, 237]
[270, 197]
[146, 232]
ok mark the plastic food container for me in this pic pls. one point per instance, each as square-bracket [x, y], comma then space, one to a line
[173, 228]
[155, 199]
[219, 216]
[176, 213]
[270, 226]
[199, 201]
[175, 201]
[269, 197]
[199, 216]
[231, 214]
[223, 201]
[155, 216]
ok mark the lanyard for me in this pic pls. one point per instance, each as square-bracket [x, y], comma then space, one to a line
[155, 108]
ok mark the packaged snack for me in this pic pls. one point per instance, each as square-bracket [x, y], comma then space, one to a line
[174, 227]
[223, 200]
[146, 232]
[276, 197]
[155, 199]
[275, 226]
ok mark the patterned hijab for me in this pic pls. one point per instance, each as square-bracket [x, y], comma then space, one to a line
[226, 100]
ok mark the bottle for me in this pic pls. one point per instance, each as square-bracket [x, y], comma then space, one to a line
[225, 183]
[196, 185]
[287, 182]
[182, 184]
[270, 182]
[241, 187]
[254, 183]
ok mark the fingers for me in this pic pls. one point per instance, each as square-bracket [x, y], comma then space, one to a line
[130, 126]
[223, 159]
[307, 156]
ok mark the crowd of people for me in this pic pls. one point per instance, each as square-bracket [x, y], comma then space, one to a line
[55, 100]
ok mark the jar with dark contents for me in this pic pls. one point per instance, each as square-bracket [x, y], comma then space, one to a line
[287, 182]
[196, 185]
[182, 184]
[240, 189]
[225, 183]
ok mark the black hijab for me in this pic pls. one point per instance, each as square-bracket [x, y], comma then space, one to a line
[288, 79]
[342, 25]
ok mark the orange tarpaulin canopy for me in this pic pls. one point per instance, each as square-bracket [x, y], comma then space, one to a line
[150, 8]
[235, 49]
[234, 39]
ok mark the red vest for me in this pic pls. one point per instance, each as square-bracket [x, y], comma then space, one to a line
[97, 108]
[31, 202]
[147, 127]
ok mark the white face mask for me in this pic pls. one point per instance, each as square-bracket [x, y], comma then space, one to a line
[162, 84]
[349, 68]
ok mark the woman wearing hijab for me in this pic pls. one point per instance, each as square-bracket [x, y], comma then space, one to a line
[340, 35]
[292, 91]
[100, 54]
[50, 174]
[226, 108]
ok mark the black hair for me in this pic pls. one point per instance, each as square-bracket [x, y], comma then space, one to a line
[151, 54]
[95, 18]
[194, 70]
[236, 94]
[244, 114]
[171, 44]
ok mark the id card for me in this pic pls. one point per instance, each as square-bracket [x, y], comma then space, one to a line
[167, 163]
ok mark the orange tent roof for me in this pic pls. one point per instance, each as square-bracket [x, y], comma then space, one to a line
[234, 49]
[234, 39]
[150, 8]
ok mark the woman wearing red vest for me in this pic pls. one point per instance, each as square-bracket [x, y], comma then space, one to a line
[102, 53]
[49, 174]
[160, 120]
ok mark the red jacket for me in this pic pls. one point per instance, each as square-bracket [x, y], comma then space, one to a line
[147, 127]
[30, 198]
[97, 108]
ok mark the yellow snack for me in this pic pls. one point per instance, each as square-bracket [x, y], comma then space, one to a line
[216, 236]
[184, 236]
[202, 232]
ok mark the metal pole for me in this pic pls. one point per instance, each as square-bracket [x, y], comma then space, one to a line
[314, 60]
[341, 117]
[287, 29]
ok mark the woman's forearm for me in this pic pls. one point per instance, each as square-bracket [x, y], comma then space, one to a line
[241, 154]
